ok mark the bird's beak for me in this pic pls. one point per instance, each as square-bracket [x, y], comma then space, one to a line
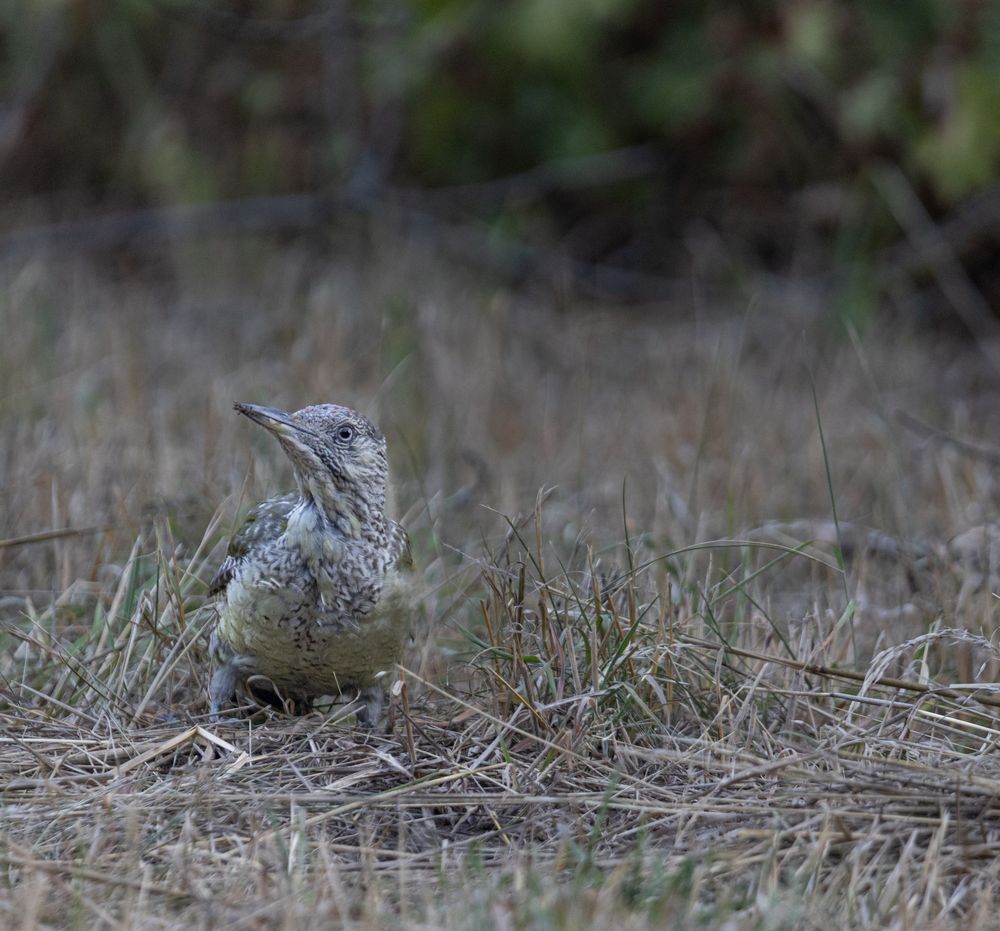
[278, 422]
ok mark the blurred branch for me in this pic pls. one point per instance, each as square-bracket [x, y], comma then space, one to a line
[973, 222]
[154, 224]
[472, 241]
[853, 539]
[330, 21]
[942, 262]
[46, 535]
[849, 674]
[569, 174]
[986, 453]
[48, 31]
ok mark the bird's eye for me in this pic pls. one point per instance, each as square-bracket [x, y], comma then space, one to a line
[345, 433]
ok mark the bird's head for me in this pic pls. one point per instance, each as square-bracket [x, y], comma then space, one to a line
[339, 456]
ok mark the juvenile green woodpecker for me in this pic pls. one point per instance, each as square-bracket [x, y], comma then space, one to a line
[313, 595]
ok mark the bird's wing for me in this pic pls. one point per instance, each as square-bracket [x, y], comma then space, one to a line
[399, 547]
[265, 522]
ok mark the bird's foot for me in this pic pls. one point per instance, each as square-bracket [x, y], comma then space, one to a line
[231, 675]
[369, 712]
[222, 688]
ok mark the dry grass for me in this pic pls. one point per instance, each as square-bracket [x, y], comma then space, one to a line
[663, 704]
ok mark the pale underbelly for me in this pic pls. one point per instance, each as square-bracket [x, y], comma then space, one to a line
[298, 651]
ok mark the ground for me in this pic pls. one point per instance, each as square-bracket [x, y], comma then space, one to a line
[663, 670]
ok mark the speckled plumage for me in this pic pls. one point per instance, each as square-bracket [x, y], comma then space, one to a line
[311, 596]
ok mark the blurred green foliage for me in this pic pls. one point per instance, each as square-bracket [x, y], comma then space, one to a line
[123, 102]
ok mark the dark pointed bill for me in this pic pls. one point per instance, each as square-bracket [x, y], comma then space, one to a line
[269, 417]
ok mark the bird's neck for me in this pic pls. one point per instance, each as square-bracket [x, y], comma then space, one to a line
[345, 509]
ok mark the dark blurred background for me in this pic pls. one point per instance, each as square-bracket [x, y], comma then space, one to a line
[543, 242]
[616, 147]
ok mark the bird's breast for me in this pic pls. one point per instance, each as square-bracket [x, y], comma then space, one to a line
[301, 643]
[332, 586]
